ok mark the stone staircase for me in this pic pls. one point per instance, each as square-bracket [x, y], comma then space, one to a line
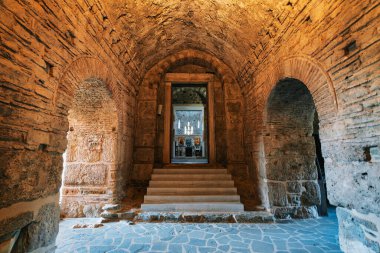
[191, 188]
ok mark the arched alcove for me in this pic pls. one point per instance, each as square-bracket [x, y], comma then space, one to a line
[290, 150]
[91, 156]
[91, 131]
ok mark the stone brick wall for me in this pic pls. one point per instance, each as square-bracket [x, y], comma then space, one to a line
[333, 48]
[49, 48]
[46, 50]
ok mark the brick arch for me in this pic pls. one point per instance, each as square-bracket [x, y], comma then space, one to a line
[191, 56]
[105, 159]
[310, 73]
[81, 69]
[306, 71]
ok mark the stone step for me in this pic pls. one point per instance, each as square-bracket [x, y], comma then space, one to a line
[194, 207]
[190, 171]
[154, 199]
[205, 183]
[190, 177]
[192, 191]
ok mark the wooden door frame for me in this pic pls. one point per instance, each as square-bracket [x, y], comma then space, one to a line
[188, 78]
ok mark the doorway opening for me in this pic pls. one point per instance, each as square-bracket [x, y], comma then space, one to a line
[189, 129]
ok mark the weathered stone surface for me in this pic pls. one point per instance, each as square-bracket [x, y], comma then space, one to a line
[358, 232]
[302, 212]
[360, 190]
[293, 187]
[96, 225]
[74, 207]
[207, 217]
[277, 194]
[109, 215]
[28, 175]
[83, 174]
[111, 207]
[12, 224]
[91, 210]
[311, 195]
[41, 232]
[128, 215]
[254, 217]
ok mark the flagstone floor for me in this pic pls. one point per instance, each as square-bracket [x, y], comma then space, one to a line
[296, 236]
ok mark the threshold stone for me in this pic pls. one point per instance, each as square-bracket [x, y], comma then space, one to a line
[206, 217]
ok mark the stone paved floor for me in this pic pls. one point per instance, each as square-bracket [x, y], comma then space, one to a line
[297, 236]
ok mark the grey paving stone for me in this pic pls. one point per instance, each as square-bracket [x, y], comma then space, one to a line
[259, 246]
[197, 242]
[295, 236]
[160, 246]
[175, 248]
[190, 248]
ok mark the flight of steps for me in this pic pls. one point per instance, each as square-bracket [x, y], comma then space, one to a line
[192, 189]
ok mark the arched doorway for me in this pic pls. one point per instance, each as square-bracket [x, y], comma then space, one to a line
[291, 148]
[90, 160]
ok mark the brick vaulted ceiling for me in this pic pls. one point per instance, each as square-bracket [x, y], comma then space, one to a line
[228, 29]
[147, 31]
[137, 34]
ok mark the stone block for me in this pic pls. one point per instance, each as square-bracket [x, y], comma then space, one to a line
[86, 174]
[311, 194]
[109, 148]
[144, 155]
[109, 215]
[146, 125]
[254, 217]
[302, 212]
[293, 187]
[28, 175]
[294, 199]
[82, 206]
[111, 207]
[291, 168]
[38, 137]
[129, 215]
[359, 191]
[41, 232]
[12, 224]
[92, 209]
[147, 109]
[142, 172]
[277, 194]
[145, 139]
[90, 147]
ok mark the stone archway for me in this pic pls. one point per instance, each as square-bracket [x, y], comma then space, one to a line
[322, 92]
[228, 120]
[86, 101]
[290, 152]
